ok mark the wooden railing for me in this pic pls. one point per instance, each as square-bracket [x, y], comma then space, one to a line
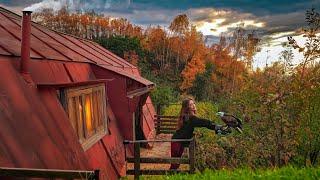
[165, 124]
[48, 173]
[137, 159]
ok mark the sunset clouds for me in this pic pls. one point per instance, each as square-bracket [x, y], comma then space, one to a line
[272, 20]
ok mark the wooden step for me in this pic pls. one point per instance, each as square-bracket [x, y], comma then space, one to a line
[157, 172]
[161, 160]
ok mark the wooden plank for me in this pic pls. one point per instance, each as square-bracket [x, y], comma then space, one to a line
[168, 117]
[167, 129]
[166, 120]
[159, 119]
[161, 116]
[168, 126]
[162, 140]
[166, 132]
[80, 122]
[160, 160]
[136, 160]
[192, 156]
[158, 127]
[173, 128]
[166, 123]
[157, 172]
[48, 173]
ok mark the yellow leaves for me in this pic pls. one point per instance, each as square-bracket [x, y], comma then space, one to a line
[180, 24]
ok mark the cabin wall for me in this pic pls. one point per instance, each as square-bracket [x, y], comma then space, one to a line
[34, 131]
[49, 140]
[122, 106]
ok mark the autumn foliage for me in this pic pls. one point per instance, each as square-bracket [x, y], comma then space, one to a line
[280, 104]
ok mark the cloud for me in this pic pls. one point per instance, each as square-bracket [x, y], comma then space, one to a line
[146, 17]
[46, 4]
[18, 3]
[271, 52]
[213, 21]
[73, 5]
[284, 22]
[211, 17]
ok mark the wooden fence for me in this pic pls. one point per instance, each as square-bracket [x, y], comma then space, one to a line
[165, 124]
[48, 173]
[137, 159]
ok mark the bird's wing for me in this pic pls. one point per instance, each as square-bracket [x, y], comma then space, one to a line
[234, 120]
[229, 120]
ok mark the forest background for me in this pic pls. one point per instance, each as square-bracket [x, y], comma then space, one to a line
[279, 104]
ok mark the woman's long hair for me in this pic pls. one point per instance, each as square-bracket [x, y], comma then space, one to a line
[184, 112]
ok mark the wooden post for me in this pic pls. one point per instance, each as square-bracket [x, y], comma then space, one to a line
[192, 156]
[158, 119]
[159, 109]
[134, 126]
[96, 174]
[158, 125]
[136, 160]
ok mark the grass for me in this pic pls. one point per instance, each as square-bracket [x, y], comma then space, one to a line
[246, 174]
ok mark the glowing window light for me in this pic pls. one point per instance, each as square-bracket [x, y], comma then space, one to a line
[88, 113]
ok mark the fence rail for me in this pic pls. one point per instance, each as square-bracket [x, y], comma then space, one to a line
[137, 159]
[165, 124]
[48, 173]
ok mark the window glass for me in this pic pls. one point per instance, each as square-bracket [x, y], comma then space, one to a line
[86, 107]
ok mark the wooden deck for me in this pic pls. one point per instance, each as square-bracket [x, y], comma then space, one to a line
[161, 150]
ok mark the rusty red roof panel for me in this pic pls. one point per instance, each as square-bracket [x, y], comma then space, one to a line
[107, 53]
[11, 44]
[25, 109]
[80, 72]
[4, 51]
[52, 45]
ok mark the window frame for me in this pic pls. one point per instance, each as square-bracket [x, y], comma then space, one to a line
[80, 92]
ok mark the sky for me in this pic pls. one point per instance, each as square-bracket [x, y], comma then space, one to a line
[270, 19]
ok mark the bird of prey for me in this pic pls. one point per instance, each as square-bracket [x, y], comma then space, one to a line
[231, 121]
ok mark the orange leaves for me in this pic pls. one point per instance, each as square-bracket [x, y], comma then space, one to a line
[88, 25]
[195, 66]
[131, 57]
[156, 38]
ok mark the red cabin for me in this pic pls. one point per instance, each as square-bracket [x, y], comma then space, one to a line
[66, 102]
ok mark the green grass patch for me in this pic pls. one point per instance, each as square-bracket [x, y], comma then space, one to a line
[246, 173]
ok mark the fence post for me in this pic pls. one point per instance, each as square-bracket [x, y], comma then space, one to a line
[158, 125]
[136, 160]
[158, 119]
[192, 156]
[96, 174]
[159, 109]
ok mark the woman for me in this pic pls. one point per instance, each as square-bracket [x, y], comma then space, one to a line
[186, 124]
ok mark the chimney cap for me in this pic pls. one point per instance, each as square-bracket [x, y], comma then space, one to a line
[27, 11]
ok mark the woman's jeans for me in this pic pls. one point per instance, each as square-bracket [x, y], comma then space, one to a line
[176, 151]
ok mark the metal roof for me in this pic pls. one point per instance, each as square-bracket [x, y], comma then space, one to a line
[52, 45]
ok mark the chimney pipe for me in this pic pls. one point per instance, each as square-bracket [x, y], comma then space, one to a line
[25, 42]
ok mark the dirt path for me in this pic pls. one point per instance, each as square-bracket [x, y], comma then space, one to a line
[159, 149]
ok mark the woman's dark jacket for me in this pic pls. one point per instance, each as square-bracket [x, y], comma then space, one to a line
[189, 123]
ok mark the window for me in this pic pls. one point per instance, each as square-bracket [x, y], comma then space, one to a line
[86, 107]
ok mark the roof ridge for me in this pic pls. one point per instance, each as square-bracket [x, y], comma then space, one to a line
[13, 16]
[35, 23]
